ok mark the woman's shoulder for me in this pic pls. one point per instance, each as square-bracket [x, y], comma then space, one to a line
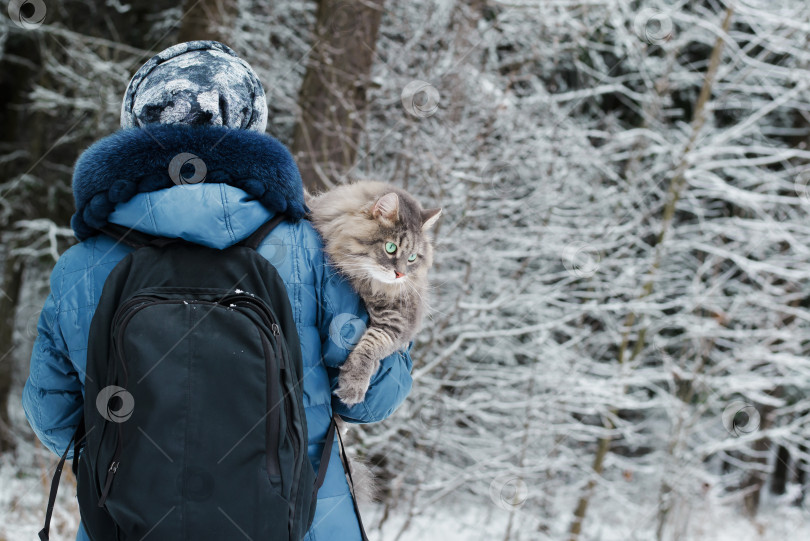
[98, 250]
[295, 249]
[80, 273]
[301, 234]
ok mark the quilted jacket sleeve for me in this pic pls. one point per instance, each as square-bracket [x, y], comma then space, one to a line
[52, 396]
[342, 321]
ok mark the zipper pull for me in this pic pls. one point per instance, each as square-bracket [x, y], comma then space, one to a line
[108, 483]
[275, 328]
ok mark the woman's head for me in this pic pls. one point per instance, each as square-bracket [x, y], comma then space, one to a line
[198, 83]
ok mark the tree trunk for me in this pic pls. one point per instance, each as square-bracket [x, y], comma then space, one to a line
[40, 135]
[207, 19]
[676, 187]
[9, 294]
[333, 94]
[781, 471]
[582, 505]
[755, 478]
[15, 82]
[801, 473]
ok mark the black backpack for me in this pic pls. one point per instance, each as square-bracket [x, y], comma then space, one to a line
[194, 424]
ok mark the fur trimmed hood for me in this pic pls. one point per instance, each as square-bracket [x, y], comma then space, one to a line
[154, 157]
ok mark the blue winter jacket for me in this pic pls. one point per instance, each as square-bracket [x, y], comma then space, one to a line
[328, 314]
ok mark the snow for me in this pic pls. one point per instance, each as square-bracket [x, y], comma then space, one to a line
[557, 318]
[24, 490]
[24, 484]
[612, 523]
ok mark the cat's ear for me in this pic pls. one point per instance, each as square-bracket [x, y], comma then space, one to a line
[430, 217]
[386, 208]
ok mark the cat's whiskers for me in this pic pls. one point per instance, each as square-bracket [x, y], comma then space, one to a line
[425, 300]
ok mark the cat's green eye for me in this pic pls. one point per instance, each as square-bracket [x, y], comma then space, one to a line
[390, 247]
[412, 258]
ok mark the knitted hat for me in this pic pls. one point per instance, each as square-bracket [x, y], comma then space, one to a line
[196, 83]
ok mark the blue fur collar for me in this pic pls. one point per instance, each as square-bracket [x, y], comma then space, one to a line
[136, 160]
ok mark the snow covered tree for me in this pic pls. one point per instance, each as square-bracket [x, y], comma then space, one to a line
[619, 341]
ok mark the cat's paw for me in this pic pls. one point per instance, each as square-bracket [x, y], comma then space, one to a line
[350, 391]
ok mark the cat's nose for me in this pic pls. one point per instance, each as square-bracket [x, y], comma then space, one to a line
[399, 274]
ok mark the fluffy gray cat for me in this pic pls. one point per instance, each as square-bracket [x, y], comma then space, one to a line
[377, 236]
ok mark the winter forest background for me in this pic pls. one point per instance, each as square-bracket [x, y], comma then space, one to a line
[620, 324]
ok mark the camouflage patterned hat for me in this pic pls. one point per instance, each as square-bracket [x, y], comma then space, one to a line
[198, 82]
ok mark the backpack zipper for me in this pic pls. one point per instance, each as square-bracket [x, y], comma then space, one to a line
[126, 311]
[291, 405]
[272, 434]
[297, 446]
[112, 469]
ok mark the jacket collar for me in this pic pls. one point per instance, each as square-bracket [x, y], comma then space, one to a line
[151, 158]
[214, 215]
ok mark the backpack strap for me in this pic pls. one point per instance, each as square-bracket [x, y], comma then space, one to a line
[139, 239]
[135, 238]
[327, 450]
[78, 437]
[78, 444]
[258, 236]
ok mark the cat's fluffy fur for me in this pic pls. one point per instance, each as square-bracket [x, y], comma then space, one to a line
[362, 480]
[359, 223]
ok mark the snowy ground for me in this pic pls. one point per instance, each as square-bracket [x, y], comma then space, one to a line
[25, 481]
[24, 489]
[608, 522]
[25, 486]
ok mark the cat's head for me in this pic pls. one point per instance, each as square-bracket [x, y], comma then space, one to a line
[398, 245]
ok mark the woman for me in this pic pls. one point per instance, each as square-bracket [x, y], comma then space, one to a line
[203, 104]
